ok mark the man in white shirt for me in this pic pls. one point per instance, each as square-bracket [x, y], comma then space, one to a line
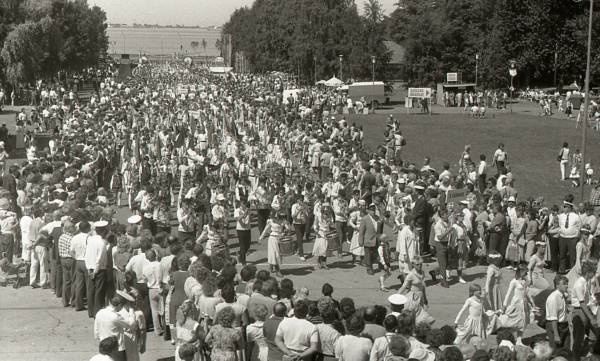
[77, 251]
[481, 173]
[557, 325]
[296, 337]
[109, 323]
[570, 225]
[582, 317]
[153, 276]
[500, 159]
[95, 262]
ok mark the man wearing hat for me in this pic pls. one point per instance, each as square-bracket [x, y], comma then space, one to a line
[110, 323]
[569, 224]
[95, 262]
[422, 212]
[367, 236]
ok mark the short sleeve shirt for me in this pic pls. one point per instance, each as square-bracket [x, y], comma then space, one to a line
[556, 307]
[297, 333]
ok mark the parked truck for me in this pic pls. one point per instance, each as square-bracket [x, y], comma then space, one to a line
[371, 91]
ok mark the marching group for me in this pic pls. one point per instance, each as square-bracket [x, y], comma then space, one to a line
[229, 152]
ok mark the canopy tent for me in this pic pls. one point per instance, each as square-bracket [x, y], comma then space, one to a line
[334, 82]
[321, 82]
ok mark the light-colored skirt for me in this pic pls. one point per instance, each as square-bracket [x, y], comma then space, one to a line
[355, 248]
[320, 247]
[473, 326]
[273, 254]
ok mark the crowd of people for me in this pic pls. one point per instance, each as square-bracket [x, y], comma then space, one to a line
[226, 154]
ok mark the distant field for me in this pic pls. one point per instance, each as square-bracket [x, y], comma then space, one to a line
[532, 144]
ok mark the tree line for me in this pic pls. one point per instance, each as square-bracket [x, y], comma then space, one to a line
[546, 39]
[39, 38]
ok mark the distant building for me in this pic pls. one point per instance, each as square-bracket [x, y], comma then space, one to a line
[163, 42]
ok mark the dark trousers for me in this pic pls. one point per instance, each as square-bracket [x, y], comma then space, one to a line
[342, 231]
[423, 241]
[494, 242]
[262, 215]
[500, 167]
[370, 253]
[81, 280]
[300, 231]
[441, 253]
[596, 248]
[56, 275]
[186, 236]
[142, 289]
[581, 326]
[309, 225]
[567, 253]
[554, 253]
[7, 245]
[96, 292]
[244, 238]
[481, 180]
[67, 265]
[563, 332]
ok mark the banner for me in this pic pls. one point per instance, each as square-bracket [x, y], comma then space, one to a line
[419, 92]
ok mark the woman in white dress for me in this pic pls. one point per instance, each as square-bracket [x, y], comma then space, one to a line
[354, 222]
[325, 228]
[517, 303]
[414, 289]
[275, 228]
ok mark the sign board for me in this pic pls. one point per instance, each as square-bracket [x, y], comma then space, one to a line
[419, 92]
[456, 195]
[451, 77]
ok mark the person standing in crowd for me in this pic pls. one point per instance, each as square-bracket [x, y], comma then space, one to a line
[367, 236]
[67, 263]
[95, 263]
[153, 277]
[557, 325]
[563, 159]
[442, 234]
[300, 214]
[243, 229]
[296, 337]
[570, 224]
[582, 317]
[500, 160]
[109, 323]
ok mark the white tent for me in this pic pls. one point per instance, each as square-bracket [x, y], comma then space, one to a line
[334, 82]
[321, 82]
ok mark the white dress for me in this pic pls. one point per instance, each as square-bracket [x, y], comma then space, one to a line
[355, 248]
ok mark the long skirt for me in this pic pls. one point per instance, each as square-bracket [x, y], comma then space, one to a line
[355, 248]
[273, 254]
[473, 326]
[516, 316]
[416, 303]
[320, 247]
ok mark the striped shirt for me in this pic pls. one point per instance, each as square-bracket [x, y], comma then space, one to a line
[64, 245]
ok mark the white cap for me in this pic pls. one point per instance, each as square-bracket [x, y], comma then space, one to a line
[100, 224]
[134, 219]
[511, 199]
[125, 295]
[397, 299]
[220, 197]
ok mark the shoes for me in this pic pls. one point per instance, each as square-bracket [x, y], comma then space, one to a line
[302, 258]
[461, 280]
[325, 266]
[45, 287]
[80, 309]
[35, 286]
[444, 284]
[384, 289]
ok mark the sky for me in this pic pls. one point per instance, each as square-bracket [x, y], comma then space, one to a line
[181, 12]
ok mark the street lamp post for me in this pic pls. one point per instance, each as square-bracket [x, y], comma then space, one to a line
[341, 57]
[373, 59]
[315, 61]
[586, 102]
[476, 68]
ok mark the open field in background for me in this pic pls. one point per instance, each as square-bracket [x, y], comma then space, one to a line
[532, 144]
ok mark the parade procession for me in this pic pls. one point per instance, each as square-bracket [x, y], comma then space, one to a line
[212, 200]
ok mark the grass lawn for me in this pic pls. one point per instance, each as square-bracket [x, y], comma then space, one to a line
[532, 144]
